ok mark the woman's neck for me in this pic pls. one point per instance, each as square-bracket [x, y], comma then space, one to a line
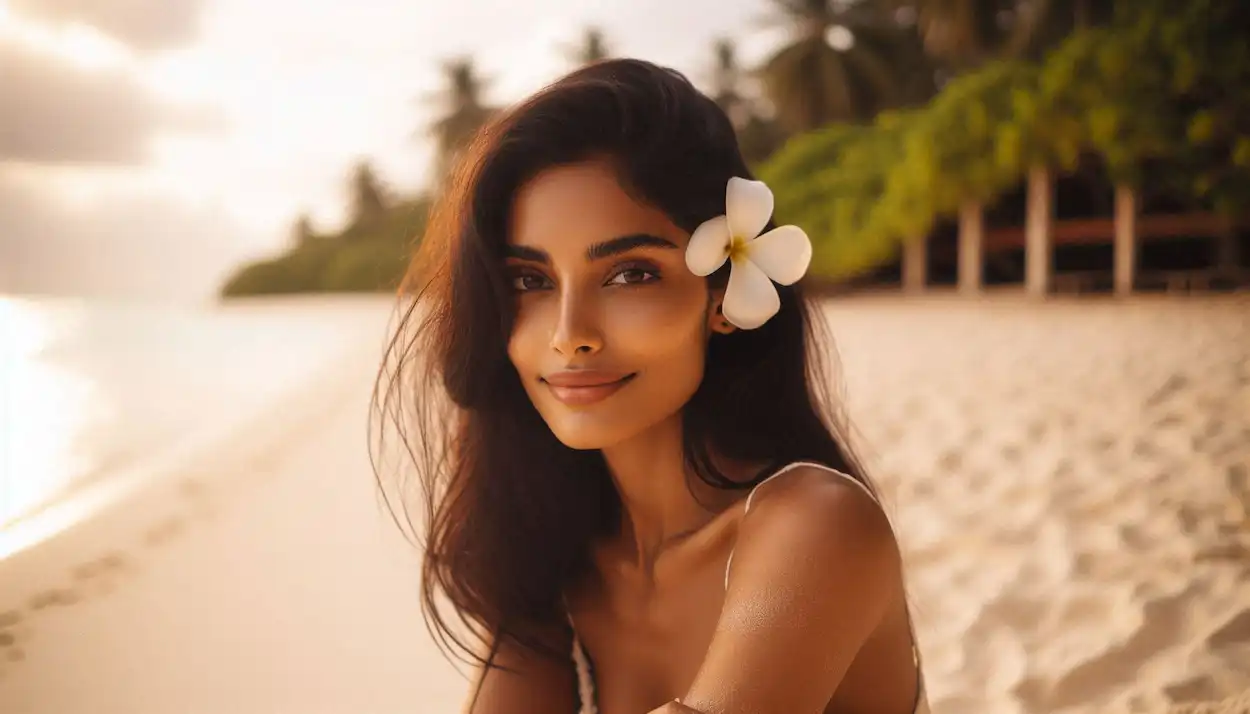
[654, 484]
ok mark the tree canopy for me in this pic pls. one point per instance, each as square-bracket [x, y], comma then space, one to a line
[1148, 90]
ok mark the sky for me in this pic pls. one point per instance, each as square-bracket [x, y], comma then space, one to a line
[147, 147]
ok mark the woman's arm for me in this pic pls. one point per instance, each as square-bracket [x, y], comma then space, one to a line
[815, 568]
[528, 683]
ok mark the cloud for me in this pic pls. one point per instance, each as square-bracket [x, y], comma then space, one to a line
[144, 25]
[56, 112]
[132, 244]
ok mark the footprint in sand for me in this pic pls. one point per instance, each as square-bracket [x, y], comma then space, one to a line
[164, 531]
[55, 597]
[1191, 519]
[111, 562]
[1144, 449]
[1195, 689]
[1168, 420]
[951, 460]
[11, 633]
[1134, 537]
[101, 574]
[1235, 631]
[1224, 552]
[1173, 384]
[198, 498]
[1102, 443]
[1037, 429]
[1238, 481]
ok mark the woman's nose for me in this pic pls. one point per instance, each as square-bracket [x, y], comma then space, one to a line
[577, 331]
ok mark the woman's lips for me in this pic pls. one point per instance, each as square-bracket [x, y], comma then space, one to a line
[583, 387]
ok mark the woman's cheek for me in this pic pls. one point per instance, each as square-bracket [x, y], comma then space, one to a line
[661, 320]
[529, 335]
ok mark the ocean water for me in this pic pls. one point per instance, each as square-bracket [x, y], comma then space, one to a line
[89, 389]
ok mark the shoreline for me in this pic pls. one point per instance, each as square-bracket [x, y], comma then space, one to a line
[172, 480]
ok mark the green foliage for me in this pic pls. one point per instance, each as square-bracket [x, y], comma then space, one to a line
[1158, 87]
[365, 257]
[826, 181]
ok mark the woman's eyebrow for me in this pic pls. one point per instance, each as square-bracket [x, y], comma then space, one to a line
[616, 246]
[598, 251]
[524, 252]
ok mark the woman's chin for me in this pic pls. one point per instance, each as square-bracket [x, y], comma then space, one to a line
[585, 432]
[582, 439]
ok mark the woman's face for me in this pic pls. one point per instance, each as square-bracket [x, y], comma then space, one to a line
[611, 326]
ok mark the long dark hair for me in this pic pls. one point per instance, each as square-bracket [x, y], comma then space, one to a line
[509, 512]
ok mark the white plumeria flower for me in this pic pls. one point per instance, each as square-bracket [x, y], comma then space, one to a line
[781, 255]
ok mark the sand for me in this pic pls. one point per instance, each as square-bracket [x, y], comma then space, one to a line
[1070, 481]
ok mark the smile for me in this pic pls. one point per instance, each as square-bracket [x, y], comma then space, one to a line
[581, 388]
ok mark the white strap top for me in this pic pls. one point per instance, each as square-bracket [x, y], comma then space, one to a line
[585, 675]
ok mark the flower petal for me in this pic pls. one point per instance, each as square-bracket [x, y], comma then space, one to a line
[708, 247]
[782, 253]
[749, 205]
[750, 298]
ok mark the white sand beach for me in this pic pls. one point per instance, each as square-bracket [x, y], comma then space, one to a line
[1070, 481]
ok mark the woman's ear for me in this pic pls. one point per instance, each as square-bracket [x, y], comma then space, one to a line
[716, 316]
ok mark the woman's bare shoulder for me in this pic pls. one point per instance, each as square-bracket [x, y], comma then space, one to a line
[815, 569]
[816, 504]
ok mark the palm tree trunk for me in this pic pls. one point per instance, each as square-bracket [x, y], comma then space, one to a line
[971, 241]
[1227, 252]
[1125, 239]
[1080, 17]
[1039, 223]
[915, 263]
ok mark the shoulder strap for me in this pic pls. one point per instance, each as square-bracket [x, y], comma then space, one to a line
[581, 664]
[786, 469]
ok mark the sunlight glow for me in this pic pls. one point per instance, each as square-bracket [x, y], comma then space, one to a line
[840, 38]
[44, 410]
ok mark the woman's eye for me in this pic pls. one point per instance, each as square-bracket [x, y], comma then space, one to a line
[635, 276]
[526, 282]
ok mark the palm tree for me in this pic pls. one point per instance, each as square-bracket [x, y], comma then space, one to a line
[369, 197]
[839, 66]
[758, 136]
[1038, 25]
[1041, 24]
[465, 112]
[966, 33]
[960, 33]
[727, 79]
[593, 48]
[302, 232]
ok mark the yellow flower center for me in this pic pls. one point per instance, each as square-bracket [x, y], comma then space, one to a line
[737, 248]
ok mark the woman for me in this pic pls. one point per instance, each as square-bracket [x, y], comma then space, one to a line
[624, 370]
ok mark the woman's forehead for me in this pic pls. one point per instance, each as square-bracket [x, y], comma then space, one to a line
[580, 204]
